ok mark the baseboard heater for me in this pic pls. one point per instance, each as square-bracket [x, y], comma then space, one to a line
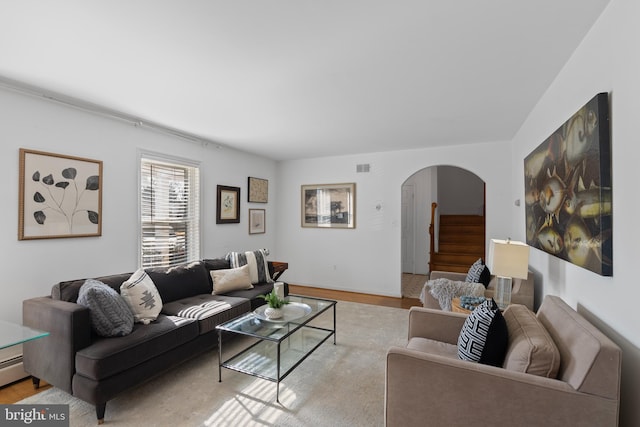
[11, 370]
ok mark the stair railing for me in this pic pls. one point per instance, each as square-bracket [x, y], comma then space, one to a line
[432, 230]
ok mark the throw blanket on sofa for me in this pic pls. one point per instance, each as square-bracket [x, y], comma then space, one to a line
[444, 290]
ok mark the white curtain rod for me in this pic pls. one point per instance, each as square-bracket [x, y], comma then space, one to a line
[38, 92]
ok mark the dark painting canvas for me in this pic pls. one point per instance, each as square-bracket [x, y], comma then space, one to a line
[568, 190]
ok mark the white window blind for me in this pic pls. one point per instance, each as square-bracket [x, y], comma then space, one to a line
[170, 213]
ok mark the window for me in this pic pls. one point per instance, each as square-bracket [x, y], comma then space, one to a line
[169, 211]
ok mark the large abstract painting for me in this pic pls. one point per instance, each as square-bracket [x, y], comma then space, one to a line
[568, 190]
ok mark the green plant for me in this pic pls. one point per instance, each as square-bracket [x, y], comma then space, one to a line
[273, 300]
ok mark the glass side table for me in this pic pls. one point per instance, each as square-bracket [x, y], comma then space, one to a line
[13, 334]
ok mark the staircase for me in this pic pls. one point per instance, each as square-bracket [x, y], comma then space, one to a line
[461, 243]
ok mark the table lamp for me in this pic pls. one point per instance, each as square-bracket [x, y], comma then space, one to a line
[507, 259]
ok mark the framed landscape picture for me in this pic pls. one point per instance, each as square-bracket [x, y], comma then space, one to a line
[59, 196]
[329, 205]
[258, 190]
[228, 205]
[257, 221]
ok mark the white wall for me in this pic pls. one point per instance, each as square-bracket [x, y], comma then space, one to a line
[367, 259]
[606, 61]
[30, 268]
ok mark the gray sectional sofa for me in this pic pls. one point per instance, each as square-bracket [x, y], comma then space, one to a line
[96, 368]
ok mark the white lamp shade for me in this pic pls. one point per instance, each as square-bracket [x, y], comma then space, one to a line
[508, 258]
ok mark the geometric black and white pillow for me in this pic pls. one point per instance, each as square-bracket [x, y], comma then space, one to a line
[257, 261]
[478, 273]
[484, 335]
[473, 276]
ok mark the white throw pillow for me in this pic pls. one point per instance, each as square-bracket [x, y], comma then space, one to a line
[232, 279]
[142, 296]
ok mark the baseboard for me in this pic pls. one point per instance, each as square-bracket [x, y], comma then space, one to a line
[12, 371]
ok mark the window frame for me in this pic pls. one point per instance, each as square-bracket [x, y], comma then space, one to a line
[179, 162]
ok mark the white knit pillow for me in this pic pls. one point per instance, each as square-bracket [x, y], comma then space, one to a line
[231, 279]
[142, 296]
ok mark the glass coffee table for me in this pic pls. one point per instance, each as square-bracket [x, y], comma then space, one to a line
[13, 334]
[281, 345]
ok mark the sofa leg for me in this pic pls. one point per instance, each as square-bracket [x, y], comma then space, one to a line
[36, 382]
[100, 408]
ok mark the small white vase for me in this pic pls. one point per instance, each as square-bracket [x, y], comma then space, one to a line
[273, 313]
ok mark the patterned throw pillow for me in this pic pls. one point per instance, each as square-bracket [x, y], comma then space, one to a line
[142, 296]
[484, 335]
[109, 313]
[257, 262]
[479, 273]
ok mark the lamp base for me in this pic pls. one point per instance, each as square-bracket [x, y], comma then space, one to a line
[503, 291]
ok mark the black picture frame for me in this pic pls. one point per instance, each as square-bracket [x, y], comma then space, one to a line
[227, 204]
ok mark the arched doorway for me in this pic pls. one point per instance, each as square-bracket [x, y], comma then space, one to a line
[458, 193]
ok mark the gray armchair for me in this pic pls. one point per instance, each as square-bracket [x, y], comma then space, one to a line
[574, 382]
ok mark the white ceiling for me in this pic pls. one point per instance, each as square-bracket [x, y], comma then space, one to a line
[290, 79]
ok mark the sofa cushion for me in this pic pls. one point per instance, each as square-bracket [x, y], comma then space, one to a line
[252, 294]
[181, 281]
[439, 348]
[257, 262]
[531, 348]
[142, 296]
[109, 313]
[231, 279]
[484, 335]
[208, 310]
[68, 290]
[108, 356]
[479, 273]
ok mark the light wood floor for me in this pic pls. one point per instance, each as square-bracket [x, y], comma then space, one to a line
[19, 390]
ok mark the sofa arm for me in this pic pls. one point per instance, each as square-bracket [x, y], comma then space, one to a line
[52, 358]
[435, 324]
[426, 389]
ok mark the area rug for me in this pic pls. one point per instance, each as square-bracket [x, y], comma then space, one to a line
[338, 385]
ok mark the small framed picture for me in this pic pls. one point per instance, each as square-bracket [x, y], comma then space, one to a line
[257, 221]
[228, 205]
[329, 205]
[258, 190]
[59, 196]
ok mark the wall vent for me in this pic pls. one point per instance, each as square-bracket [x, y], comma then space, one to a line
[365, 167]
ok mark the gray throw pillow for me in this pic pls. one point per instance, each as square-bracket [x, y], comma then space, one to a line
[110, 315]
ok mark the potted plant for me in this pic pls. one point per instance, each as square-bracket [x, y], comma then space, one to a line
[275, 303]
